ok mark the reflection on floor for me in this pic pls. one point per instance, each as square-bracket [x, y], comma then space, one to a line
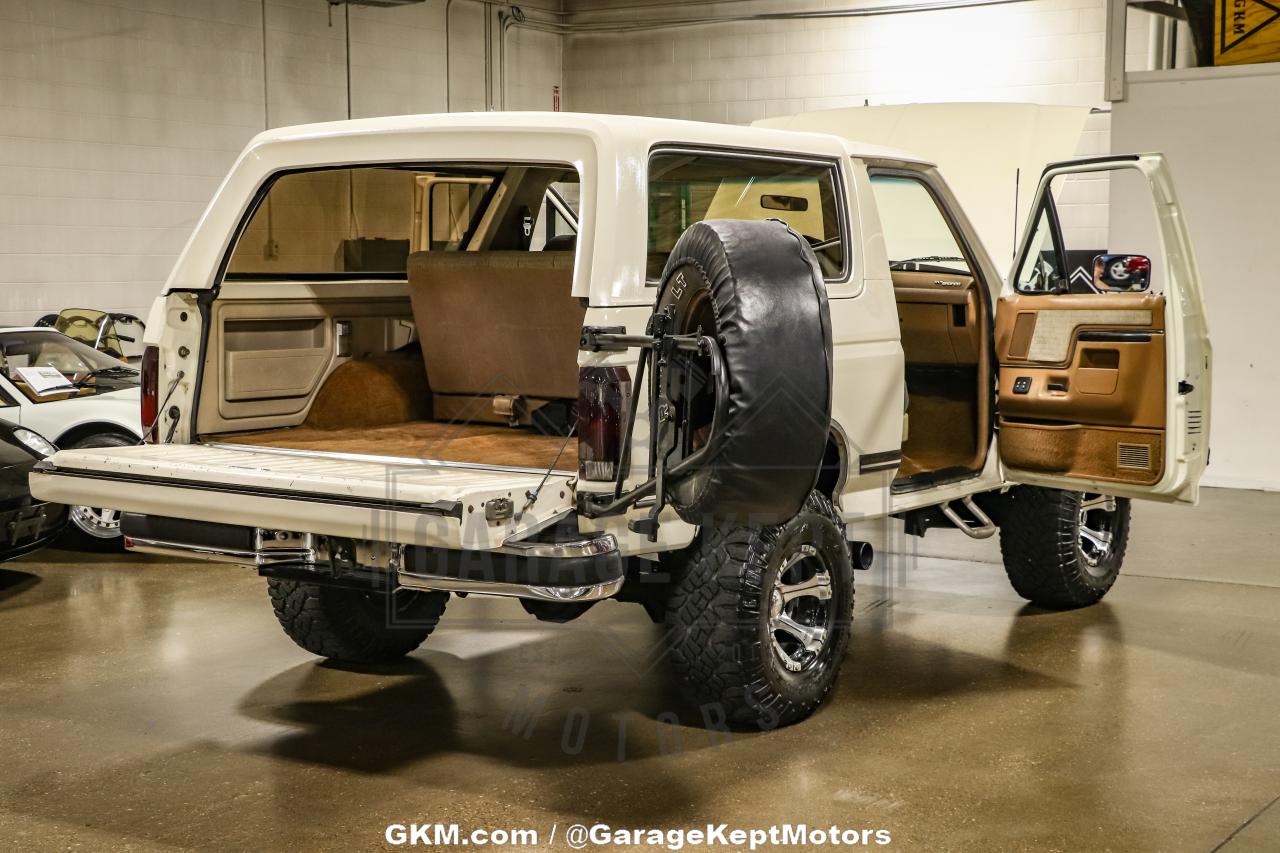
[153, 705]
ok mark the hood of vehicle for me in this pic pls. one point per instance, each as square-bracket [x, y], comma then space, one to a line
[57, 417]
[991, 155]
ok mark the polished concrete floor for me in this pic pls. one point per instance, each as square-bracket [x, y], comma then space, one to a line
[148, 705]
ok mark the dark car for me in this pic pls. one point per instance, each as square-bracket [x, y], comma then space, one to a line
[25, 523]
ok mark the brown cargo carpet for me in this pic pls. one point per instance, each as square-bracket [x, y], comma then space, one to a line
[489, 444]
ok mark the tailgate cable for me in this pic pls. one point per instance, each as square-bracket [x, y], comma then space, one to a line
[177, 377]
[532, 494]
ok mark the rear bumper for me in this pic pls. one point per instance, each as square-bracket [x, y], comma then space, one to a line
[586, 569]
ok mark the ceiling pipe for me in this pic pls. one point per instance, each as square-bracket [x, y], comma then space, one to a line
[573, 28]
[516, 17]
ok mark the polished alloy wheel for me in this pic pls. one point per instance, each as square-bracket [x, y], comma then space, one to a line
[800, 614]
[96, 522]
[1096, 526]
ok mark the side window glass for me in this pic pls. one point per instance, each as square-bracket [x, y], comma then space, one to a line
[687, 188]
[917, 235]
[1096, 232]
[1042, 270]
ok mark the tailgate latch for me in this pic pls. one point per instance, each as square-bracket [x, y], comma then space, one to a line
[499, 509]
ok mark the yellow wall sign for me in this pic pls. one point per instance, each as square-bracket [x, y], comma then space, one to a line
[1246, 31]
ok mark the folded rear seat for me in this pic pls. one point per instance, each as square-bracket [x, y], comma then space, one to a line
[499, 331]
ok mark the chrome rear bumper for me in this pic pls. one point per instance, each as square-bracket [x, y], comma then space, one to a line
[586, 569]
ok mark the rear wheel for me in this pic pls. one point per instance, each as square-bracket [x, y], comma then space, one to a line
[354, 625]
[1063, 549]
[758, 618]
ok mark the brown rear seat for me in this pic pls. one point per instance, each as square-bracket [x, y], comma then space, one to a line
[497, 323]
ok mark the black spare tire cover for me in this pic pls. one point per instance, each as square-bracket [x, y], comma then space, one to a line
[757, 289]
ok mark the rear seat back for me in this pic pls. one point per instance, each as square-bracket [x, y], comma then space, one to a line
[497, 323]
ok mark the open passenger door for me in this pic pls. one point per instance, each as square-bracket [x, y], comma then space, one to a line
[1104, 358]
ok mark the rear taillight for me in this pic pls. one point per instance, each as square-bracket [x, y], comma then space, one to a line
[604, 396]
[150, 392]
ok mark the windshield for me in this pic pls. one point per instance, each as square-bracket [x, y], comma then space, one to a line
[917, 235]
[47, 364]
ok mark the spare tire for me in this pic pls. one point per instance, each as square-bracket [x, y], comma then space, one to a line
[756, 288]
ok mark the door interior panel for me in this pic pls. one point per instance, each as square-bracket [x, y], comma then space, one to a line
[1082, 384]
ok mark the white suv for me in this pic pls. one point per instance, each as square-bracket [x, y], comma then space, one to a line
[575, 357]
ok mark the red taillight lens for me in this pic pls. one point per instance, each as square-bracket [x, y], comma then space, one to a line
[150, 392]
[604, 397]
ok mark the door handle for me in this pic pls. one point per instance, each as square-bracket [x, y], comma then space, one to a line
[1115, 336]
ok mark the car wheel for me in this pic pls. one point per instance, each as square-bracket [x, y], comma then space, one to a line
[1062, 549]
[355, 625]
[758, 618]
[754, 288]
[96, 528]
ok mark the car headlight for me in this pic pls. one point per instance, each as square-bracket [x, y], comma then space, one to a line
[35, 442]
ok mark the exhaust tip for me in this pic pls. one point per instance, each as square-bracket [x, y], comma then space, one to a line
[863, 555]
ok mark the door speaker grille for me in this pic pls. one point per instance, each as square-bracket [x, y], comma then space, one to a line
[1195, 421]
[1134, 456]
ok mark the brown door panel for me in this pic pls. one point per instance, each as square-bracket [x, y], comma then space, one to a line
[1091, 369]
[1109, 383]
[1044, 328]
[1096, 452]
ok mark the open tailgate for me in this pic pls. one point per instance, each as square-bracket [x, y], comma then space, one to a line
[409, 501]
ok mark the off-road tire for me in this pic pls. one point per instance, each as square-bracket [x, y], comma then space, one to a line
[351, 625]
[1040, 543]
[718, 611]
[756, 289]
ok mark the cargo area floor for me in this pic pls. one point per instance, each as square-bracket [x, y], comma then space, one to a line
[488, 444]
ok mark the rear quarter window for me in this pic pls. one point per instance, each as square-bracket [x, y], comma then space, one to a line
[685, 188]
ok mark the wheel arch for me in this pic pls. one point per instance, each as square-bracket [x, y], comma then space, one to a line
[83, 430]
[834, 471]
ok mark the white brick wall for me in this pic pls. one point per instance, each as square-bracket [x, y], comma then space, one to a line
[1046, 51]
[118, 118]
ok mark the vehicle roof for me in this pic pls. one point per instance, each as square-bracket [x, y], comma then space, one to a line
[624, 130]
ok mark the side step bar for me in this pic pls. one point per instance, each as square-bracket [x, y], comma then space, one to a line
[985, 527]
[588, 569]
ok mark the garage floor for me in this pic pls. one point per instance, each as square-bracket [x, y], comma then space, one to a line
[149, 705]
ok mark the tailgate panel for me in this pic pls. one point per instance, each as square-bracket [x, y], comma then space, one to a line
[411, 502]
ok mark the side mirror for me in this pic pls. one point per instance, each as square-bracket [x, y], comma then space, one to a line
[1121, 273]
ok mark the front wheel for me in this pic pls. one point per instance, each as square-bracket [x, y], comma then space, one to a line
[758, 618]
[355, 625]
[97, 528]
[1063, 549]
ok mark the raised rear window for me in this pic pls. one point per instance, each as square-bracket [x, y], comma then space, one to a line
[367, 220]
[685, 188]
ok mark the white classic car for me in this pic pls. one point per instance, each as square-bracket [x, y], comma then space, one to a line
[75, 396]
[568, 358]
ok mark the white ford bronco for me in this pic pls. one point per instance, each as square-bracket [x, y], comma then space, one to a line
[568, 358]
